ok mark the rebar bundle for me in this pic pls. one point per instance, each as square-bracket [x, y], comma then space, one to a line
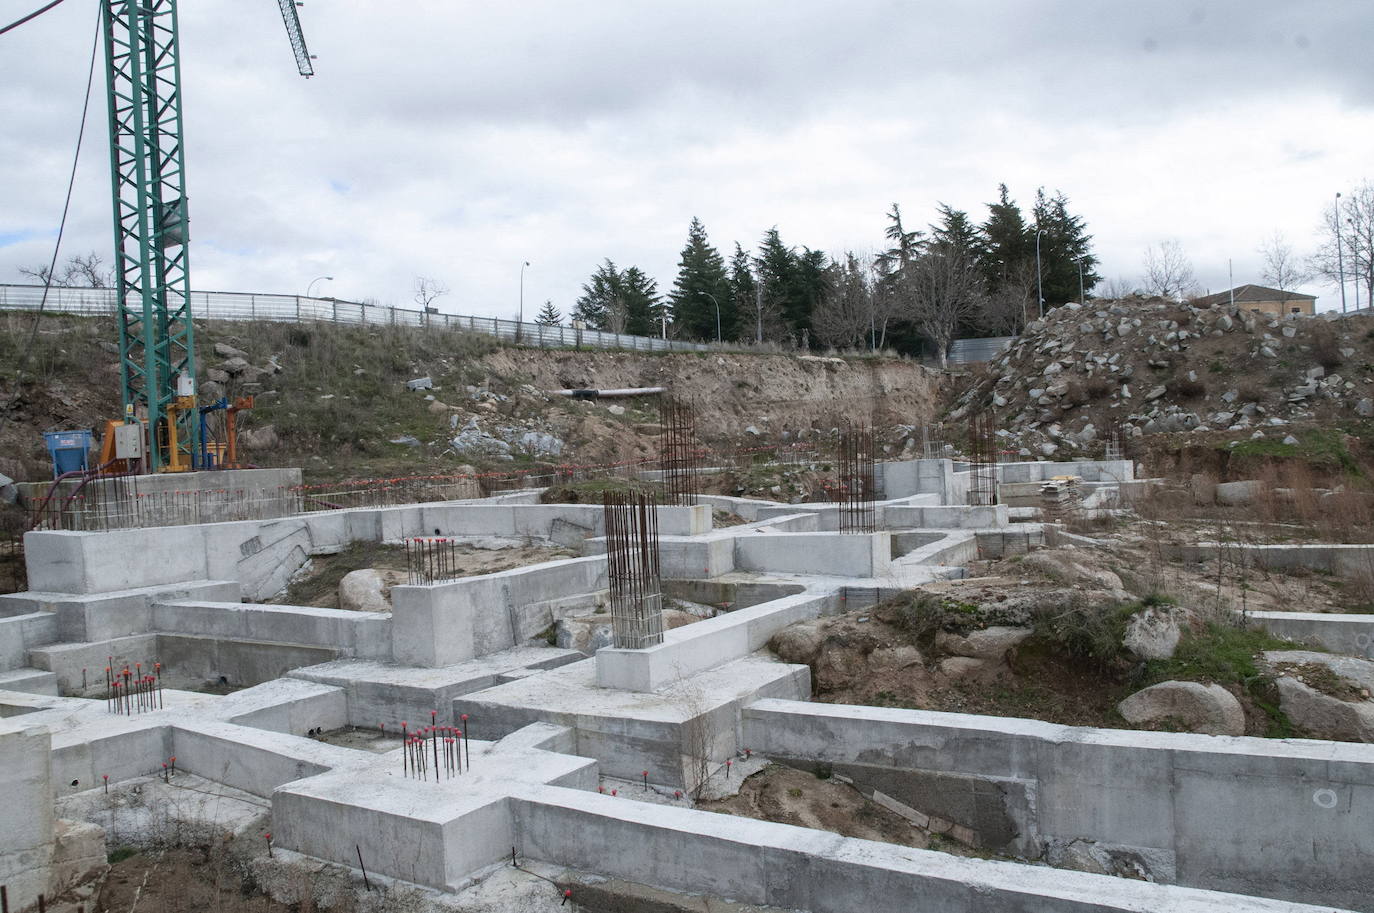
[983, 459]
[432, 559]
[679, 453]
[932, 442]
[129, 691]
[633, 569]
[856, 487]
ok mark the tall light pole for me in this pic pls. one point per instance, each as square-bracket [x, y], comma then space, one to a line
[313, 281]
[717, 304]
[521, 316]
[1082, 299]
[1340, 263]
[1039, 285]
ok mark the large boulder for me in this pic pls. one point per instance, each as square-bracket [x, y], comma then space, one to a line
[587, 633]
[1075, 568]
[367, 590]
[1325, 695]
[1209, 709]
[990, 643]
[1154, 633]
[1238, 494]
[799, 643]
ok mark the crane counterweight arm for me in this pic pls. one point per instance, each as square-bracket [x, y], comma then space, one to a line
[293, 32]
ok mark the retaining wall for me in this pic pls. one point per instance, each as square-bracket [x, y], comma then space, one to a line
[1208, 811]
[443, 623]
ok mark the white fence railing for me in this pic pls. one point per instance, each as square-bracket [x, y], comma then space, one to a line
[296, 308]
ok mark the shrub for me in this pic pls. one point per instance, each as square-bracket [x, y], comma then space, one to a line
[1326, 348]
[1186, 388]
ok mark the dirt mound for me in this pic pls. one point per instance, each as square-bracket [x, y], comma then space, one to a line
[1140, 367]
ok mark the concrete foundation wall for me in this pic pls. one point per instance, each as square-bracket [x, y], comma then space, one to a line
[863, 555]
[1208, 811]
[1353, 561]
[945, 517]
[26, 813]
[795, 868]
[102, 616]
[1352, 635]
[695, 648]
[21, 633]
[366, 635]
[444, 623]
[1087, 470]
[263, 555]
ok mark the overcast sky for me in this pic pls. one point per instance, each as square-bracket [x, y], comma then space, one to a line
[456, 140]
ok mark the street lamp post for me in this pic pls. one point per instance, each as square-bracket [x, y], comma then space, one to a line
[1082, 299]
[717, 304]
[313, 281]
[1340, 262]
[1039, 285]
[521, 316]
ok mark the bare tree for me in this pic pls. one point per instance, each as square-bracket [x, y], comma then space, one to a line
[427, 290]
[79, 271]
[1279, 267]
[846, 316]
[1168, 271]
[943, 290]
[1352, 224]
[1118, 288]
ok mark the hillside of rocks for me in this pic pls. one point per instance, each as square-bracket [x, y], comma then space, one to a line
[1139, 368]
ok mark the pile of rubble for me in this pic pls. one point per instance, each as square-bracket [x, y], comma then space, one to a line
[1086, 376]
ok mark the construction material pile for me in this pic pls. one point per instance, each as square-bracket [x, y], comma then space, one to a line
[1085, 376]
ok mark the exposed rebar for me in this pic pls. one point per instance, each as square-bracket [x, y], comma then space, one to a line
[633, 571]
[856, 487]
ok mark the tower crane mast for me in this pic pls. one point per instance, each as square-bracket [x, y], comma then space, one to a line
[151, 222]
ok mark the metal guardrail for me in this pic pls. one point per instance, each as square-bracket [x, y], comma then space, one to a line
[298, 308]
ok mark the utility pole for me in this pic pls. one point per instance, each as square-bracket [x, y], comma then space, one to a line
[1355, 251]
[1231, 280]
[1340, 263]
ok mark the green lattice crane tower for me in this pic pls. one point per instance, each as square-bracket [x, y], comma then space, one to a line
[148, 177]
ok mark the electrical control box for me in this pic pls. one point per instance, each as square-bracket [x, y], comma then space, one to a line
[128, 441]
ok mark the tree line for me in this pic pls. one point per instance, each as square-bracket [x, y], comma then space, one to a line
[926, 286]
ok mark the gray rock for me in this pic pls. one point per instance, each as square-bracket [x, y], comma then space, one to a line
[9, 492]
[1289, 332]
[367, 590]
[406, 440]
[1290, 441]
[420, 383]
[224, 350]
[990, 643]
[1234, 494]
[1323, 715]
[1365, 407]
[1154, 633]
[1155, 393]
[264, 438]
[587, 633]
[1209, 709]
[235, 366]
[540, 443]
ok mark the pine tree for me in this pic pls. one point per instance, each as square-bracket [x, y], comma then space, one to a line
[1008, 243]
[548, 316]
[1064, 245]
[743, 291]
[701, 299]
[776, 270]
[811, 283]
[600, 306]
[643, 308]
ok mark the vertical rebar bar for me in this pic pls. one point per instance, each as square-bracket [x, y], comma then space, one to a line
[856, 486]
[680, 456]
[633, 569]
[983, 453]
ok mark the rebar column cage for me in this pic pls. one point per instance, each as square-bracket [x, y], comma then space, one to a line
[932, 441]
[982, 454]
[679, 454]
[633, 571]
[856, 487]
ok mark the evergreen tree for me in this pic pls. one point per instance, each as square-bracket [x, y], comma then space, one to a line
[776, 272]
[811, 280]
[1007, 264]
[548, 315]
[955, 236]
[620, 301]
[600, 305]
[743, 291]
[701, 299]
[1064, 245]
[644, 309]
